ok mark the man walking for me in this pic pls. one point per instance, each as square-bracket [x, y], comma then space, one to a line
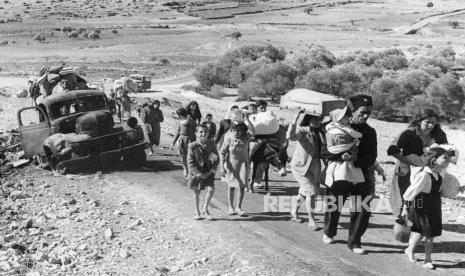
[361, 106]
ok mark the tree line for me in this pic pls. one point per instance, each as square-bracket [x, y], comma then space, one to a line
[399, 86]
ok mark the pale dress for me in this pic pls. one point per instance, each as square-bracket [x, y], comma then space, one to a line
[235, 155]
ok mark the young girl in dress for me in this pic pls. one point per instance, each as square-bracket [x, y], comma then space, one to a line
[194, 111]
[185, 133]
[235, 163]
[306, 164]
[342, 139]
[202, 160]
[423, 203]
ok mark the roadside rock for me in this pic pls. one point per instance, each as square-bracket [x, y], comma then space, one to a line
[94, 256]
[109, 234]
[124, 202]
[118, 213]
[124, 253]
[40, 256]
[14, 195]
[27, 224]
[133, 225]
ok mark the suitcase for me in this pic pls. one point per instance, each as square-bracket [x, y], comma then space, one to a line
[312, 102]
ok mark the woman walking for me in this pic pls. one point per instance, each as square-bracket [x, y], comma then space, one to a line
[408, 149]
[306, 164]
[152, 116]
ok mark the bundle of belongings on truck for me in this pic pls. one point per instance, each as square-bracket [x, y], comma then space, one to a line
[57, 79]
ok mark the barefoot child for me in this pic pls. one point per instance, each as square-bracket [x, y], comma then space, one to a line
[202, 160]
[235, 163]
[306, 164]
[423, 198]
[185, 133]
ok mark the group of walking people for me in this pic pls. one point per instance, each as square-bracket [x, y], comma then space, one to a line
[340, 154]
[204, 149]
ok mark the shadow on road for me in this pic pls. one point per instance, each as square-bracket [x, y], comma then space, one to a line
[149, 166]
[277, 190]
[449, 264]
[449, 247]
[255, 217]
[457, 228]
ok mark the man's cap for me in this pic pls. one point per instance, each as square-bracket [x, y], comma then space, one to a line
[360, 100]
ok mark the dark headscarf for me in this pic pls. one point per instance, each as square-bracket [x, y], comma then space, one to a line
[196, 115]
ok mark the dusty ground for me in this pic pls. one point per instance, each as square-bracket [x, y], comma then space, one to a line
[61, 226]
[98, 225]
[155, 197]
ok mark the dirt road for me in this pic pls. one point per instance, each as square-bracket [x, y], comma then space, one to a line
[427, 20]
[290, 247]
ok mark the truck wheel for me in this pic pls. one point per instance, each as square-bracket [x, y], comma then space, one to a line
[135, 160]
[141, 157]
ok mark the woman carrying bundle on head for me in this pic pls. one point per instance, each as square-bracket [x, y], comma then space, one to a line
[306, 164]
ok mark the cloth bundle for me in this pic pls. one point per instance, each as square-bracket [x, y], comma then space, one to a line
[265, 123]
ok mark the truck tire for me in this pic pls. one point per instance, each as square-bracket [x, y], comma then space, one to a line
[135, 160]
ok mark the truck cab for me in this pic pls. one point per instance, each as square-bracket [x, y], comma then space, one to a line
[143, 82]
[74, 112]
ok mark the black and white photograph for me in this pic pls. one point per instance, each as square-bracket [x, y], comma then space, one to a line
[232, 137]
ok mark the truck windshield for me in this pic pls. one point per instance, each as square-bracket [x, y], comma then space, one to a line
[137, 78]
[81, 104]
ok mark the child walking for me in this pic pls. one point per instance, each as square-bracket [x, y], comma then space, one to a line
[342, 139]
[306, 164]
[211, 126]
[202, 160]
[235, 163]
[185, 133]
[423, 204]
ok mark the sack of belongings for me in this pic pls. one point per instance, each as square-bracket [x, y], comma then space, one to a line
[312, 102]
[51, 76]
[450, 186]
[401, 230]
[22, 93]
[265, 123]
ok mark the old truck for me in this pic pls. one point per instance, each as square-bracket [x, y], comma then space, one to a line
[76, 128]
[143, 82]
